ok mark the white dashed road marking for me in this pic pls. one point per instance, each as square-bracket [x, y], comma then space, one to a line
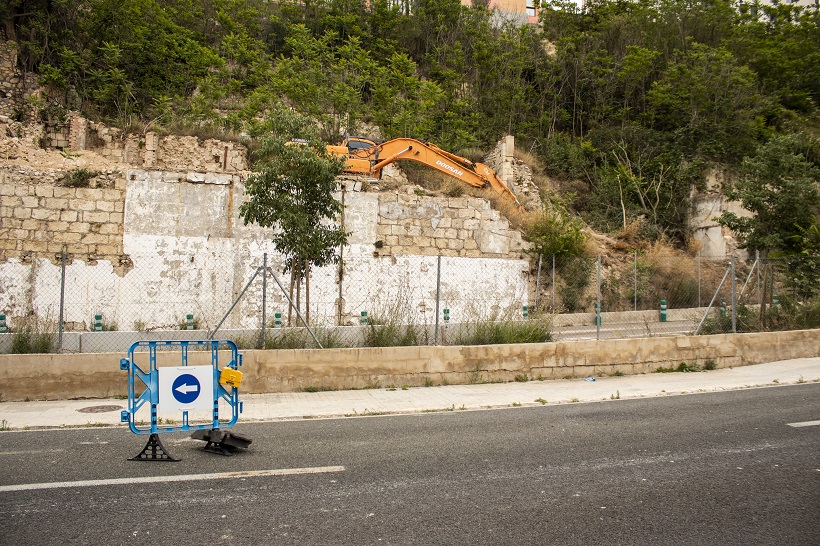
[804, 424]
[169, 479]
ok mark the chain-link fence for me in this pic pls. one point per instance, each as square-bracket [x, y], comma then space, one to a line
[397, 300]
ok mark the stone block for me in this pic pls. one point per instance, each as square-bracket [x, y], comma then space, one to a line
[95, 217]
[79, 227]
[42, 191]
[63, 193]
[110, 229]
[68, 215]
[109, 250]
[30, 201]
[66, 237]
[93, 239]
[22, 214]
[55, 203]
[81, 205]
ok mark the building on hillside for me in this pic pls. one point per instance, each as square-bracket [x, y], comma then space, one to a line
[520, 11]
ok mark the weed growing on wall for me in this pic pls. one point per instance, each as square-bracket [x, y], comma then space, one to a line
[496, 332]
[34, 336]
[80, 178]
[395, 326]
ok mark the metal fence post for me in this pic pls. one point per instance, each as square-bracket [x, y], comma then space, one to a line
[759, 293]
[734, 297]
[264, 297]
[598, 304]
[62, 303]
[699, 281]
[635, 276]
[538, 282]
[553, 283]
[438, 299]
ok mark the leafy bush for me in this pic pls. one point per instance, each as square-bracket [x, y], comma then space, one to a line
[556, 233]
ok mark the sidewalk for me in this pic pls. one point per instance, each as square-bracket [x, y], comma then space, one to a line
[304, 405]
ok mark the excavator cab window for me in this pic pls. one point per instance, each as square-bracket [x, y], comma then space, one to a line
[359, 144]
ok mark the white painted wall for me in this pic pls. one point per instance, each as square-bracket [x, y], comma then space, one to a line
[191, 253]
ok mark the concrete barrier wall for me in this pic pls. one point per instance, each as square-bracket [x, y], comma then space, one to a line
[54, 377]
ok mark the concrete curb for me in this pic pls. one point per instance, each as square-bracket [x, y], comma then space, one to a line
[419, 400]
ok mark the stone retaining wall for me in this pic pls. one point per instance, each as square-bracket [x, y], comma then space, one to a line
[441, 226]
[42, 214]
[56, 377]
[12, 83]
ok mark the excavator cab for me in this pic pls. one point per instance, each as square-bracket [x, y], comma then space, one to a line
[360, 143]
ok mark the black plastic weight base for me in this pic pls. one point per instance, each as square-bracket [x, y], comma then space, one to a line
[154, 451]
[221, 443]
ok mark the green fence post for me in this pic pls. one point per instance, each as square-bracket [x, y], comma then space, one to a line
[663, 310]
[363, 318]
[189, 321]
[277, 320]
[98, 323]
[446, 315]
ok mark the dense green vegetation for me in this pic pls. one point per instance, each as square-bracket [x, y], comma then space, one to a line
[632, 100]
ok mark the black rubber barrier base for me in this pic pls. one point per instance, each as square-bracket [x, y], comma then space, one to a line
[221, 443]
[154, 451]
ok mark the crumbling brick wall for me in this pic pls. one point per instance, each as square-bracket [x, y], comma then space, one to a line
[43, 215]
[12, 82]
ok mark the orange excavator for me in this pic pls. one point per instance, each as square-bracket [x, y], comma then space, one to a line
[368, 157]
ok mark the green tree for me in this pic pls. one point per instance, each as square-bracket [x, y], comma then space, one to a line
[780, 188]
[291, 190]
[708, 103]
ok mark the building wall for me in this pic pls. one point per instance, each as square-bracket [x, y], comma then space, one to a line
[148, 246]
[519, 11]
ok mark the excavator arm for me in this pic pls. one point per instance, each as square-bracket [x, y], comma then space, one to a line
[364, 159]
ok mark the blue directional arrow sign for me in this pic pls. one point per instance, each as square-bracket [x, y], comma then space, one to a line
[186, 388]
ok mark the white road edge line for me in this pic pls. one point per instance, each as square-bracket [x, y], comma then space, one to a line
[169, 479]
[804, 424]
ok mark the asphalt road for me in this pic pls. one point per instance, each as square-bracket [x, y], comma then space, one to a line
[719, 468]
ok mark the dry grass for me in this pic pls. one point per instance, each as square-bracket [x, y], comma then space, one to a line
[542, 181]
